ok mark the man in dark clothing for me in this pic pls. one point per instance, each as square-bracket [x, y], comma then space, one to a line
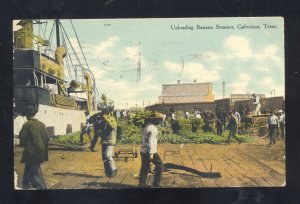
[107, 130]
[223, 116]
[34, 139]
[232, 127]
[96, 121]
[219, 127]
[86, 128]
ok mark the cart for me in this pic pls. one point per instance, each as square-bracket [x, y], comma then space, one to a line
[256, 125]
[260, 125]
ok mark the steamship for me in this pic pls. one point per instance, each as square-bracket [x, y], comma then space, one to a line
[40, 79]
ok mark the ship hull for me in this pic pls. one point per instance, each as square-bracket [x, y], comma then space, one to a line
[58, 121]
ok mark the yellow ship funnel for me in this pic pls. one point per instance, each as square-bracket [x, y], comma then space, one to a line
[23, 36]
[60, 53]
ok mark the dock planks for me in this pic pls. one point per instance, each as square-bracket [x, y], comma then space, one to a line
[248, 165]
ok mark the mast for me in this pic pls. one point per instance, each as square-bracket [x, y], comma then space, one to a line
[57, 32]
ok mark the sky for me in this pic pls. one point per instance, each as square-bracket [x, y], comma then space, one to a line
[248, 59]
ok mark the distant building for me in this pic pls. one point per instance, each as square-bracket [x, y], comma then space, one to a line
[188, 96]
[186, 93]
[242, 97]
[227, 104]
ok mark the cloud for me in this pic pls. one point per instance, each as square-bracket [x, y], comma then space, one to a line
[237, 46]
[102, 49]
[75, 45]
[269, 82]
[132, 56]
[132, 53]
[270, 54]
[97, 72]
[129, 93]
[241, 84]
[148, 78]
[192, 70]
[261, 68]
[109, 43]
[210, 55]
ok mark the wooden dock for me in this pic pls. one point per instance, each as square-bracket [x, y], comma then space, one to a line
[191, 166]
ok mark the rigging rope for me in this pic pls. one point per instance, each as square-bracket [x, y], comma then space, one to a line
[67, 61]
[94, 85]
[76, 56]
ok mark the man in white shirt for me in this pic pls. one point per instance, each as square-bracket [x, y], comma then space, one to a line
[281, 119]
[149, 150]
[273, 127]
[237, 116]
[197, 114]
[256, 104]
[187, 115]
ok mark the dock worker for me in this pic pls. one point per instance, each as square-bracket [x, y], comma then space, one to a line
[96, 119]
[281, 119]
[149, 150]
[86, 128]
[257, 104]
[237, 116]
[107, 129]
[232, 127]
[273, 124]
[34, 139]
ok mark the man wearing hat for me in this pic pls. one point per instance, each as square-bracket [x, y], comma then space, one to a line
[149, 150]
[86, 128]
[34, 139]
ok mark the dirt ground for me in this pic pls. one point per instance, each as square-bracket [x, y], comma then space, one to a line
[190, 165]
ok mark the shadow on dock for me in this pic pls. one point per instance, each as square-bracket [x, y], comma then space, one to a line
[170, 166]
[77, 174]
[108, 185]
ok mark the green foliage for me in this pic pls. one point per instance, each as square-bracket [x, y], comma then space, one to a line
[70, 139]
[139, 117]
[128, 133]
[131, 134]
[199, 138]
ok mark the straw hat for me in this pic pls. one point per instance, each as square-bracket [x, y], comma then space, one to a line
[155, 115]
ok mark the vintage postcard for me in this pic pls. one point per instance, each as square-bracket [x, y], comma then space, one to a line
[149, 103]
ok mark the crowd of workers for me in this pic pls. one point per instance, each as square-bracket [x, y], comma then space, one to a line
[34, 139]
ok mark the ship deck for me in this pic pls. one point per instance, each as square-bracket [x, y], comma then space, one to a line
[193, 165]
